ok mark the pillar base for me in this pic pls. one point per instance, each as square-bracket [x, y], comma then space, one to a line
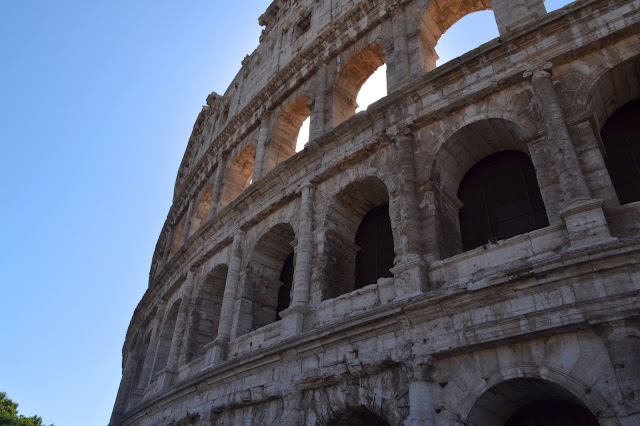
[410, 276]
[216, 352]
[134, 399]
[586, 224]
[165, 378]
[293, 320]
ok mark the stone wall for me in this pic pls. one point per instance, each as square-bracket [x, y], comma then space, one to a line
[453, 337]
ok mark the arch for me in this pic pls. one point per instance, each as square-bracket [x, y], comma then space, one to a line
[263, 292]
[621, 139]
[358, 416]
[437, 19]
[350, 79]
[610, 87]
[575, 389]
[286, 130]
[368, 399]
[177, 238]
[466, 147]
[529, 401]
[202, 210]
[207, 308]
[164, 340]
[141, 355]
[471, 143]
[239, 176]
[501, 198]
[343, 223]
[612, 96]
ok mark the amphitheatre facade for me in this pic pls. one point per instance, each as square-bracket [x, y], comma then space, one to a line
[464, 252]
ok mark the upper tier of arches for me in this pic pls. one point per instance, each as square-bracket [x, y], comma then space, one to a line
[405, 40]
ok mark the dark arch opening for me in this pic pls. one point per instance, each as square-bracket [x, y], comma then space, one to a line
[355, 252]
[140, 358]
[284, 292]
[501, 198]
[621, 139]
[164, 343]
[359, 416]
[528, 402]
[561, 413]
[266, 289]
[375, 238]
[207, 308]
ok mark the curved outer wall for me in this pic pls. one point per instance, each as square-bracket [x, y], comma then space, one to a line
[547, 314]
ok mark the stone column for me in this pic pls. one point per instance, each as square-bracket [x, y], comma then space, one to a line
[583, 217]
[622, 340]
[292, 409]
[419, 371]
[126, 383]
[411, 270]
[259, 167]
[511, 14]
[218, 183]
[217, 350]
[189, 343]
[317, 124]
[435, 206]
[400, 50]
[165, 380]
[293, 316]
[149, 357]
[187, 220]
[595, 169]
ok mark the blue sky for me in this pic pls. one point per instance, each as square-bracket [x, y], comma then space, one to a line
[97, 102]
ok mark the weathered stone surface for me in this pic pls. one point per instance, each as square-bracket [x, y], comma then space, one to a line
[445, 337]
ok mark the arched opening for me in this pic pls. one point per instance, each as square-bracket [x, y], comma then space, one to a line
[437, 19]
[358, 245]
[140, 358]
[501, 198]
[206, 317]
[164, 342]
[457, 41]
[375, 239]
[613, 100]
[528, 402]
[177, 238]
[202, 210]
[621, 139]
[266, 289]
[358, 416]
[460, 152]
[285, 133]
[239, 175]
[354, 73]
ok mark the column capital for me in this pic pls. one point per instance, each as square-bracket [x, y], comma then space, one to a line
[305, 187]
[419, 368]
[545, 71]
[265, 115]
[401, 130]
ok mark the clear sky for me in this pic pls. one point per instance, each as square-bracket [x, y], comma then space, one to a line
[97, 102]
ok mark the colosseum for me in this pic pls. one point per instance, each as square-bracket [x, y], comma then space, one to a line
[466, 251]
